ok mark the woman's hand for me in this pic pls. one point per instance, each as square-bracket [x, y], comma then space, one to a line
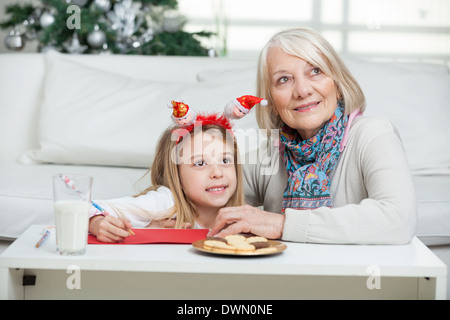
[109, 228]
[248, 219]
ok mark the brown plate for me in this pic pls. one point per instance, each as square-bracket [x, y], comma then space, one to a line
[279, 247]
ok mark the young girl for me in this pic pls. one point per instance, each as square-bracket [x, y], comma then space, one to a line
[195, 172]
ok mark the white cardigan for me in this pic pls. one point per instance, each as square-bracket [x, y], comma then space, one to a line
[371, 188]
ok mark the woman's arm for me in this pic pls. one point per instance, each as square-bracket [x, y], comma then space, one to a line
[374, 192]
[387, 212]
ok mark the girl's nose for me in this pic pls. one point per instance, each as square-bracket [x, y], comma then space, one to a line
[216, 172]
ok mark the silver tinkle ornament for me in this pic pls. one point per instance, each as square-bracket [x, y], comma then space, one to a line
[96, 38]
[103, 5]
[15, 41]
[46, 19]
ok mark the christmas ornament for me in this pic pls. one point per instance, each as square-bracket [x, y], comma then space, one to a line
[15, 41]
[46, 19]
[239, 107]
[182, 114]
[123, 18]
[74, 46]
[96, 38]
[173, 21]
[103, 5]
[79, 3]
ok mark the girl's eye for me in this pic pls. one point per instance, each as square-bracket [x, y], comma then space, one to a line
[199, 163]
[227, 161]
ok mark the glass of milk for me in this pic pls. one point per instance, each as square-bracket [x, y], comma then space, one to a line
[72, 201]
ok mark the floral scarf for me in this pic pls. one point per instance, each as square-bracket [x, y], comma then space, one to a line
[308, 163]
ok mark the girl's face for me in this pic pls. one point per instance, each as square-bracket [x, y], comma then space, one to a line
[304, 97]
[207, 170]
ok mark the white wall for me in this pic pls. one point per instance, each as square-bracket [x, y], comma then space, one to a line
[413, 30]
[382, 29]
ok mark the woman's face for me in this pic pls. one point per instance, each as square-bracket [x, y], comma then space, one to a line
[304, 97]
[207, 170]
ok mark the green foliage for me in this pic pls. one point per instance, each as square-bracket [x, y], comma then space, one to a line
[58, 34]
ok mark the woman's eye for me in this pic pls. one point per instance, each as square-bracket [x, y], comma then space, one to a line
[315, 71]
[283, 80]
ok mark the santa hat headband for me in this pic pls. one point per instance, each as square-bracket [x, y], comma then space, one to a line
[187, 119]
[245, 103]
[204, 119]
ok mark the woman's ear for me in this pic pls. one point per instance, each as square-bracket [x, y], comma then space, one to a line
[339, 95]
[272, 107]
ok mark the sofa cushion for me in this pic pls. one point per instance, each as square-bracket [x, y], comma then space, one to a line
[433, 203]
[94, 117]
[415, 97]
[26, 196]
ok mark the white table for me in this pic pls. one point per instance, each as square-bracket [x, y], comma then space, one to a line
[159, 271]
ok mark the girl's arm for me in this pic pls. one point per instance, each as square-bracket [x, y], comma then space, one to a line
[124, 213]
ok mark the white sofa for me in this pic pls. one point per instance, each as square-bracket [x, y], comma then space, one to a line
[102, 114]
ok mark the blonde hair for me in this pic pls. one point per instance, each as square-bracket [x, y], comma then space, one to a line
[164, 172]
[310, 46]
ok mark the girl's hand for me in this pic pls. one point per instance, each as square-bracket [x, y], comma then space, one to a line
[109, 228]
[248, 219]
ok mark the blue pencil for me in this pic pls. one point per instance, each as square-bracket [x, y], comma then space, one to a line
[99, 208]
[104, 212]
[42, 239]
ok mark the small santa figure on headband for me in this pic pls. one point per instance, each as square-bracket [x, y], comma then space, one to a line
[182, 114]
[239, 107]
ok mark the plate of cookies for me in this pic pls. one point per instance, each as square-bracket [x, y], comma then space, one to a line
[239, 245]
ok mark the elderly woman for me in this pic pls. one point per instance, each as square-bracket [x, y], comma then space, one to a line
[342, 177]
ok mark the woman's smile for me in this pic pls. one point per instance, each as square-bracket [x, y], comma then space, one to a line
[307, 106]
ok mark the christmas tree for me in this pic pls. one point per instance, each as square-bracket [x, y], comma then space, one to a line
[146, 27]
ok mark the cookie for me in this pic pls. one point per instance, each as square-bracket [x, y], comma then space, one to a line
[218, 246]
[242, 246]
[217, 239]
[256, 239]
[260, 244]
[234, 238]
[239, 244]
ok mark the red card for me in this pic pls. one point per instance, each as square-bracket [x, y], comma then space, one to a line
[145, 236]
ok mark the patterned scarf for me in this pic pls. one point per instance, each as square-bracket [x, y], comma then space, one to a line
[308, 163]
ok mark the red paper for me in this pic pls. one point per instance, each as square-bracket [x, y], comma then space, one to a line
[145, 236]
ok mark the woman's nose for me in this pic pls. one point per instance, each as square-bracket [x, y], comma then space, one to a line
[302, 89]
